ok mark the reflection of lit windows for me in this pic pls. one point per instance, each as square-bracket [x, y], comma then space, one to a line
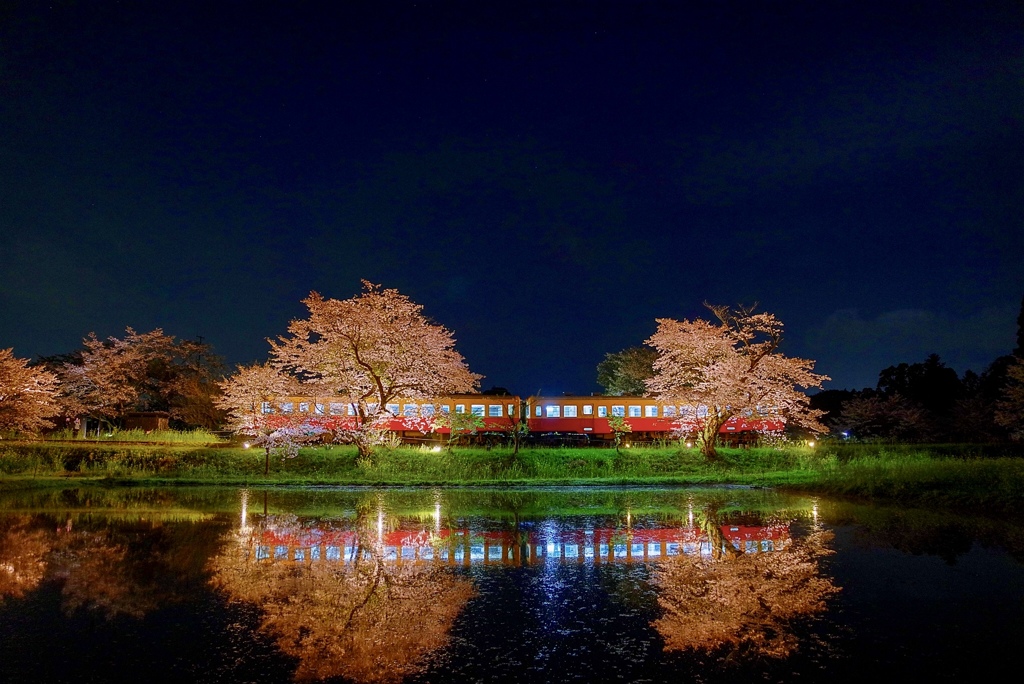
[552, 411]
[494, 410]
[651, 411]
[318, 409]
[619, 411]
[767, 545]
[287, 407]
[569, 411]
[265, 407]
[460, 408]
[669, 412]
[409, 410]
[602, 411]
[588, 409]
[427, 410]
[392, 409]
[634, 411]
[333, 553]
[751, 546]
[476, 409]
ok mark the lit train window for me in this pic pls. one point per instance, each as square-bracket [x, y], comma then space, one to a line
[619, 411]
[670, 411]
[494, 410]
[588, 409]
[634, 411]
[303, 407]
[287, 407]
[511, 409]
[392, 409]
[371, 409]
[602, 411]
[446, 408]
[538, 411]
[569, 411]
[409, 410]
[552, 411]
[651, 411]
[427, 410]
[318, 409]
[337, 408]
[460, 408]
[476, 409]
[265, 407]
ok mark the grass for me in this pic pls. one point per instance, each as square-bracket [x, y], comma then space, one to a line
[137, 435]
[908, 474]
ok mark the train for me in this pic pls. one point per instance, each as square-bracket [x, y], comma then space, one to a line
[551, 420]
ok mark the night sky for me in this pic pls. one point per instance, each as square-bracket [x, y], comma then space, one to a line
[546, 179]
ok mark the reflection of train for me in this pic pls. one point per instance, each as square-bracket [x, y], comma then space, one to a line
[466, 547]
[550, 420]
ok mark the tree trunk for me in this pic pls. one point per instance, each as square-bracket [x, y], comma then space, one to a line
[707, 437]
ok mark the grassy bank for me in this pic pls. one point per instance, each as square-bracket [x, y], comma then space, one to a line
[934, 476]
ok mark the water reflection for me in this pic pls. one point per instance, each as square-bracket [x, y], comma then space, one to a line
[743, 596]
[340, 600]
[459, 585]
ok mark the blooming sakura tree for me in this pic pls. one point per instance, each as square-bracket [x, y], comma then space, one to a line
[27, 395]
[252, 398]
[371, 349]
[730, 368]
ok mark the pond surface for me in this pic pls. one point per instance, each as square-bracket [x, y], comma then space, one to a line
[608, 585]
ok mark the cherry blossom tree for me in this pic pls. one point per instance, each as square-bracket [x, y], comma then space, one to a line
[372, 349]
[733, 367]
[253, 400]
[27, 394]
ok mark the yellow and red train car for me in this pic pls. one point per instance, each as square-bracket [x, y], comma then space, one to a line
[647, 418]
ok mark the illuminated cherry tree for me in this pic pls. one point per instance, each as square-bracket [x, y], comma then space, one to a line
[1010, 408]
[371, 349]
[253, 399]
[730, 368]
[27, 394]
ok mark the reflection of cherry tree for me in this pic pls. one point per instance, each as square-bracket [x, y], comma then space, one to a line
[367, 620]
[97, 575]
[111, 571]
[23, 553]
[742, 603]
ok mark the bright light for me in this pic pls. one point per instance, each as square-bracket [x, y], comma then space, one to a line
[245, 445]
[436, 449]
[811, 444]
[689, 444]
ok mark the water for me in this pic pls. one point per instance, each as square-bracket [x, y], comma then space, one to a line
[610, 585]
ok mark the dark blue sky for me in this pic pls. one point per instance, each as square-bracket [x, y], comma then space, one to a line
[545, 180]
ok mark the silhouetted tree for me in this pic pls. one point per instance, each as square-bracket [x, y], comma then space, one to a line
[627, 371]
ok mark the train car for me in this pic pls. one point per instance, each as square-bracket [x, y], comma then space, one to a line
[410, 419]
[647, 418]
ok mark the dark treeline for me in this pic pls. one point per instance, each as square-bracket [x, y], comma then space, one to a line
[929, 402]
